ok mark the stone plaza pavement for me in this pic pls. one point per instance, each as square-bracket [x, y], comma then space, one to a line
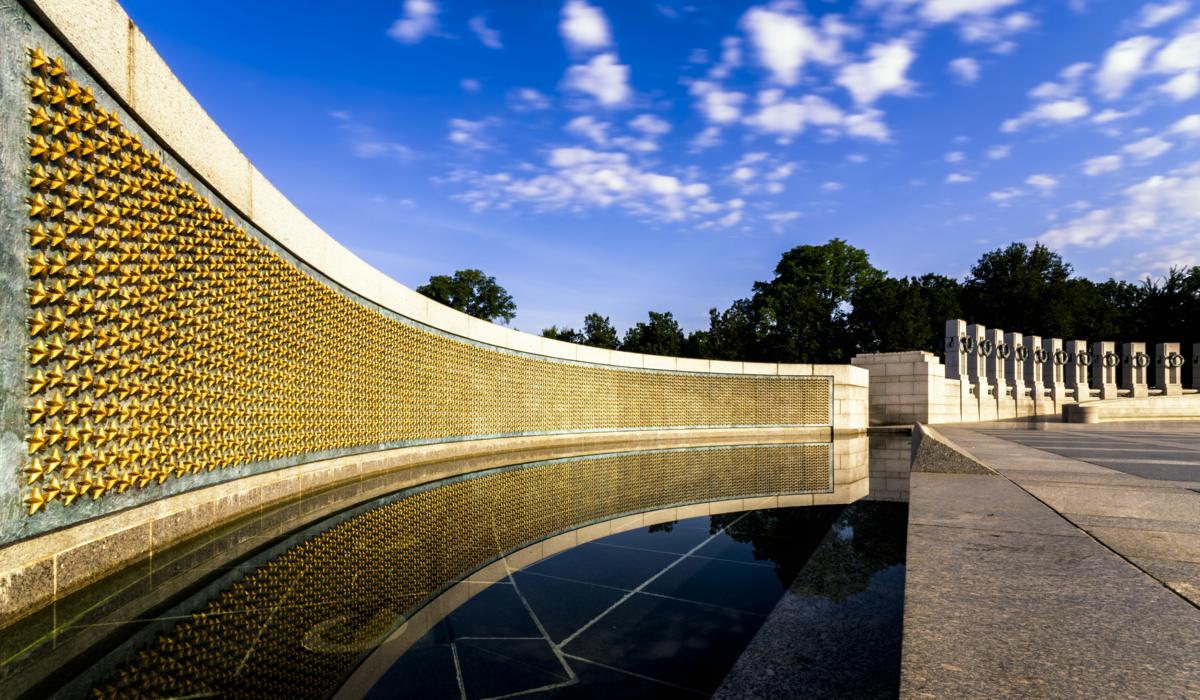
[1066, 565]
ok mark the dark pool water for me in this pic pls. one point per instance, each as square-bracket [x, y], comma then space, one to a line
[667, 611]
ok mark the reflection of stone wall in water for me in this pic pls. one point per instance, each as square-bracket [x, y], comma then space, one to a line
[318, 605]
[167, 340]
[890, 467]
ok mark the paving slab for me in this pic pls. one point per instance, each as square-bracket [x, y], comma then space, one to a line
[1056, 577]
[1180, 576]
[1118, 501]
[969, 501]
[999, 614]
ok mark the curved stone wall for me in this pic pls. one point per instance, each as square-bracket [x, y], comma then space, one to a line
[166, 340]
[171, 322]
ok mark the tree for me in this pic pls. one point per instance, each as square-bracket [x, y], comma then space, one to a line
[894, 315]
[1024, 288]
[803, 309]
[733, 334]
[599, 332]
[1169, 306]
[567, 335]
[472, 292]
[660, 336]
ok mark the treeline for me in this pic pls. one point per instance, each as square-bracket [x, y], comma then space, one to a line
[827, 303]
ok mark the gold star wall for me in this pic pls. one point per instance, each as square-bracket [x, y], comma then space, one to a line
[295, 626]
[165, 340]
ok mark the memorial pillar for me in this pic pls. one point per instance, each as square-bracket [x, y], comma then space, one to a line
[1055, 375]
[997, 373]
[1135, 363]
[1170, 369]
[1079, 362]
[1196, 365]
[1105, 361]
[958, 346]
[1035, 372]
[956, 349]
[977, 371]
[1014, 367]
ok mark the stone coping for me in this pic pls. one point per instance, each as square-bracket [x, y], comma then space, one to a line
[38, 571]
[104, 38]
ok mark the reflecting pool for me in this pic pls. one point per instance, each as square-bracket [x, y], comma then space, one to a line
[654, 573]
[666, 611]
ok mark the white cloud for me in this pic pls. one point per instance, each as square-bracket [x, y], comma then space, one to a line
[1161, 259]
[590, 128]
[365, 143]
[781, 172]
[1067, 88]
[602, 78]
[469, 134]
[1042, 181]
[857, 158]
[788, 117]
[1159, 208]
[938, 11]
[1189, 126]
[470, 85]
[965, 70]
[1148, 148]
[867, 124]
[1003, 196]
[707, 138]
[743, 174]
[733, 218]
[985, 29]
[1102, 164]
[779, 220]
[1156, 13]
[1182, 87]
[1056, 112]
[1131, 59]
[487, 36]
[584, 27]
[718, 105]
[578, 179]
[527, 99]
[978, 21]
[1182, 54]
[785, 40]
[1122, 64]
[998, 152]
[1111, 115]
[650, 125]
[955, 157]
[419, 20]
[958, 179]
[832, 186]
[882, 74]
[382, 149]
[731, 58]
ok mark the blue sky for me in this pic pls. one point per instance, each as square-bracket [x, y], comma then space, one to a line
[627, 156]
